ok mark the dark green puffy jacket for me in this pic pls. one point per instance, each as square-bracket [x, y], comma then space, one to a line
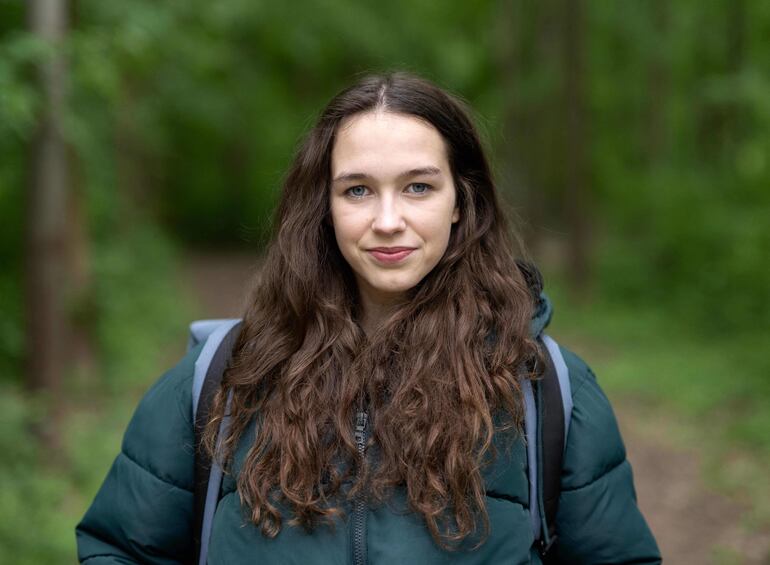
[143, 512]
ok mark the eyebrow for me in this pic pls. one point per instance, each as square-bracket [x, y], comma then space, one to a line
[420, 171]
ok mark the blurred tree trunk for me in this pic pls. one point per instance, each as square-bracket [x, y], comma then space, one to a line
[576, 203]
[82, 357]
[81, 353]
[514, 180]
[45, 229]
[526, 36]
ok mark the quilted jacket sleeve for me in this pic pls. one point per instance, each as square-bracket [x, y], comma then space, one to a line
[143, 511]
[598, 521]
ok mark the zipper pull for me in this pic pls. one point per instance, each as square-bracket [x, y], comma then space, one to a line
[361, 420]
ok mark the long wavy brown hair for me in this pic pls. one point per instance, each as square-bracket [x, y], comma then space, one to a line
[438, 378]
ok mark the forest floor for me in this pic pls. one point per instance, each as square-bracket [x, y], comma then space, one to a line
[693, 523]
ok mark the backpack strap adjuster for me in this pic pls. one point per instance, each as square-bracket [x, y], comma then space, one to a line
[544, 548]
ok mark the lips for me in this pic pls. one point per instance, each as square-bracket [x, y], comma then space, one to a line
[391, 249]
[390, 255]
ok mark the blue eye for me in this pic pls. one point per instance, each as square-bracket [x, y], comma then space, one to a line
[419, 187]
[356, 191]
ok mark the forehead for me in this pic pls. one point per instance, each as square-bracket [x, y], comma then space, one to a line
[381, 142]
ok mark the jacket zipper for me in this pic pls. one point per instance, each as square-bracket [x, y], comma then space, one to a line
[359, 504]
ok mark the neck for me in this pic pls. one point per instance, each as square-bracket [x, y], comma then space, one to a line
[375, 310]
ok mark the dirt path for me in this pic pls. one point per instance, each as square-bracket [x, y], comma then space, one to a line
[693, 524]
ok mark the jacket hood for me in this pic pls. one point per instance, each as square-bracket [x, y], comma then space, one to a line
[542, 316]
[543, 311]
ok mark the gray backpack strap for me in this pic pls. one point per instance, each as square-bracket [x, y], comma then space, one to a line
[564, 385]
[216, 334]
[200, 330]
[534, 435]
[212, 490]
[530, 431]
[212, 332]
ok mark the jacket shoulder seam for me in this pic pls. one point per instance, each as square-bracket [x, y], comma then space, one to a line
[154, 474]
[598, 478]
[582, 374]
[96, 556]
[579, 386]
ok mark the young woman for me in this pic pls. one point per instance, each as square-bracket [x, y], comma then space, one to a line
[390, 299]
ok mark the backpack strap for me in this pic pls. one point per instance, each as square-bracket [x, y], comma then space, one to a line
[530, 431]
[562, 374]
[220, 337]
[548, 410]
[212, 332]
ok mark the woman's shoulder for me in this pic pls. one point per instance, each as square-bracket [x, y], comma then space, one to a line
[580, 373]
[143, 510]
[598, 520]
[176, 382]
[594, 443]
[160, 437]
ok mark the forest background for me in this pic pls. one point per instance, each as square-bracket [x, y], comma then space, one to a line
[632, 139]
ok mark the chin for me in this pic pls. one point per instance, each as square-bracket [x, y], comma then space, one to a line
[393, 287]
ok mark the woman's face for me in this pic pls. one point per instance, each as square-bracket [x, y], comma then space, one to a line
[393, 201]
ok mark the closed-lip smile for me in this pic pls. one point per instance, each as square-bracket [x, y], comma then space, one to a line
[390, 249]
[390, 255]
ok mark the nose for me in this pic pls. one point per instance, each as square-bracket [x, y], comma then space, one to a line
[388, 218]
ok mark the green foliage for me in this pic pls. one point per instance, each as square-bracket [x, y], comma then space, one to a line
[212, 98]
[34, 496]
[680, 248]
[137, 329]
[680, 161]
[140, 305]
[43, 499]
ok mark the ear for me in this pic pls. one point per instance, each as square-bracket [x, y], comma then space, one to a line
[456, 215]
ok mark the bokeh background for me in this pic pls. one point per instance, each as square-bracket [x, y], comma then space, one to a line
[142, 145]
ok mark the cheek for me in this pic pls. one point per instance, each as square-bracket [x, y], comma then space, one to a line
[437, 228]
[440, 234]
[349, 225]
